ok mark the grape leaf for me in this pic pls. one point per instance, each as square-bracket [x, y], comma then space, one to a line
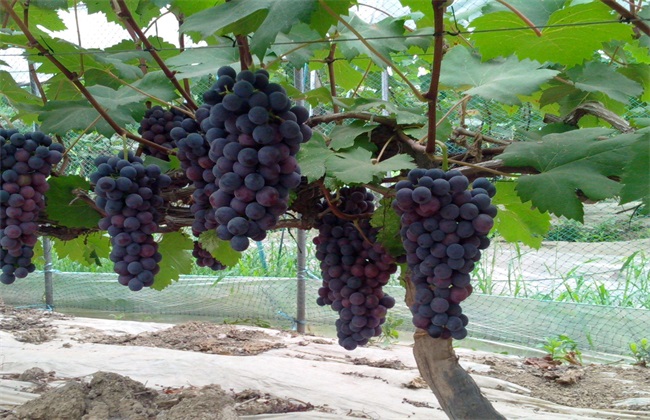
[165, 166]
[176, 259]
[569, 44]
[65, 208]
[403, 116]
[600, 77]
[155, 83]
[517, 221]
[355, 166]
[312, 157]
[197, 62]
[501, 80]
[537, 12]
[60, 117]
[87, 250]
[220, 250]
[636, 173]
[18, 97]
[582, 160]
[387, 221]
[384, 36]
[264, 18]
[343, 136]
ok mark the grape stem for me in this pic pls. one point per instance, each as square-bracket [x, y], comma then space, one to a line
[363, 235]
[330, 69]
[82, 195]
[381, 152]
[245, 58]
[445, 155]
[123, 12]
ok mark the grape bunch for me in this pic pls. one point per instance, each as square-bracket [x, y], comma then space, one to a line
[254, 133]
[193, 153]
[26, 161]
[444, 228]
[354, 268]
[129, 193]
[205, 259]
[157, 125]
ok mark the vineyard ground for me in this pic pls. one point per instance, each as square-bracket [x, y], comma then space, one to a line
[196, 369]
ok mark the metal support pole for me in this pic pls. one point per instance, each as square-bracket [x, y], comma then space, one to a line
[384, 88]
[49, 289]
[299, 83]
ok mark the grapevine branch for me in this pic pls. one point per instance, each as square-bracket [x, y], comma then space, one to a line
[245, 58]
[332, 77]
[74, 78]
[432, 94]
[338, 213]
[124, 13]
[33, 76]
[629, 16]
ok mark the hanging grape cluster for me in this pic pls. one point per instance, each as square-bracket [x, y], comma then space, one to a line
[156, 127]
[354, 268]
[129, 193]
[444, 228]
[242, 162]
[26, 161]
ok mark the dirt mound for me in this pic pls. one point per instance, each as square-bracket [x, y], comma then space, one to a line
[29, 325]
[594, 386]
[202, 337]
[109, 395]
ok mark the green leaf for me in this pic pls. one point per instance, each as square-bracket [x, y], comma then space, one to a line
[19, 98]
[501, 80]
[87, 250]
[567, 45]
[60, 117]
[220, 250]
[384, 36]
[600, 77]
[264, 18]
[388, 222]
[175, 248]
[343, 136]
[164, 165]
[403, 116]
[356, 167]
[636, 174]
[641, 74]
[347, 77]
[517, 221]
[318, 96]
[537, 12]
[584, 160]
[301, 35]
[154, 83]
[65, 208]
[196, 62]
[312, 157]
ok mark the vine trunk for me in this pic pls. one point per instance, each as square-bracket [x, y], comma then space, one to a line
[456, 391]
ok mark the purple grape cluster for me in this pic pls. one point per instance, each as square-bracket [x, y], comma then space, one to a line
[251, 136]
[129, 193]
[156, 127]
[26, 161]
[444, 227]
[205, 259]
[354, 268]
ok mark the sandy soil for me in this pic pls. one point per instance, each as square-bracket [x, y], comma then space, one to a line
[55, 366]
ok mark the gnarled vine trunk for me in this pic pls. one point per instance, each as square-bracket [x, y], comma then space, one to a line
[456, 391]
